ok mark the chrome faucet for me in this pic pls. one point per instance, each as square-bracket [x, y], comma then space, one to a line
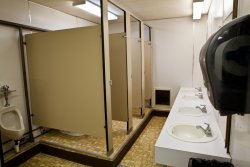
[199, 89]
[199, 95]
[202, 108]
[207, 131]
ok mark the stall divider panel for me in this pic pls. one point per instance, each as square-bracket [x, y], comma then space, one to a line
[142, 70]
[148, 70]
[118, 72]
[129, 72]
[136, 73]
[66, 80]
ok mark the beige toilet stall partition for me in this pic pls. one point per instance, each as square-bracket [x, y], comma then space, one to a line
[66, 80]
[148, 70]
[118, 74]
[136, 73]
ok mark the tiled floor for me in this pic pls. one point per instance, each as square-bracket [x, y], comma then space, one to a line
[43, 160]
[141, 153]
[91, 144]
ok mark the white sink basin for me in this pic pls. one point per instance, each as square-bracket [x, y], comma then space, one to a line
[190, 97]
[191, 111]
[189, 133]
[190, 90]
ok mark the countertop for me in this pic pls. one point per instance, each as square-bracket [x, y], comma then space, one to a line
[174, 152]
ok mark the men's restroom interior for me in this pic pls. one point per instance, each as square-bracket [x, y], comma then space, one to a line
[119, 83]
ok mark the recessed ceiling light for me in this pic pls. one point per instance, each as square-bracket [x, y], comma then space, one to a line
[197, 9]
[95, 10]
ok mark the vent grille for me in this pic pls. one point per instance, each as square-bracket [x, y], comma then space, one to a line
[162, 97]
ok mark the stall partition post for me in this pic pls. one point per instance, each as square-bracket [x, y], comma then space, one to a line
[22, 44]
[142, 69]
[129, 127]
[106, 76]
[129, 72]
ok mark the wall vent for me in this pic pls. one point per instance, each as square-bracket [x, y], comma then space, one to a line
[161, 99]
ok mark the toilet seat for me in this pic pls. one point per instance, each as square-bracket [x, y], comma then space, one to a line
[11, 122]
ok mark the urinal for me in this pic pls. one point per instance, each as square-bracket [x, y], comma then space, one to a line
[11, 124]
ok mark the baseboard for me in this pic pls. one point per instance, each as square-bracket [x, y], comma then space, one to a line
[22, 157]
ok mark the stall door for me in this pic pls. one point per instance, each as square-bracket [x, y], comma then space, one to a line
[66, 80]
[118, 74]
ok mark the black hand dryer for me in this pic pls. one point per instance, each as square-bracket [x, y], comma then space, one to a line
[224, 61]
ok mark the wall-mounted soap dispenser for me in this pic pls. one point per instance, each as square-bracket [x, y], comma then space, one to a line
[224, 61]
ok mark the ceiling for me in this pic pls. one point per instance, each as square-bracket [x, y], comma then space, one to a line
[66, 7]
[143, 9]
[161, 9]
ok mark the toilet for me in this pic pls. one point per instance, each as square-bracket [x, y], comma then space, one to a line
[75, 134]
[11, 123]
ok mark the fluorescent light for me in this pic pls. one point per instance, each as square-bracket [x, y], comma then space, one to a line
[197, 9]
[111, 16]
[95, 10]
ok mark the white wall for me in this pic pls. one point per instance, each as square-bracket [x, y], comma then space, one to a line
[240, 132]
[135, 29]
[27, 13]
[243, 8]
[175, 54]
[199, 38]
[116, 28]
[218, 16]
[146, 33]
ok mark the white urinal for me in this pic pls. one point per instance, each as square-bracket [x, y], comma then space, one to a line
[11, 123]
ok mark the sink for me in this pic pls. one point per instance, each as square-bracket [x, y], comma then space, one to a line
[189, 133]
[190, 97]
[190, 90]
[191, 111]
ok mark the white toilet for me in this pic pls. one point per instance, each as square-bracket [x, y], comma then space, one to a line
[76, 134]
[11, 123]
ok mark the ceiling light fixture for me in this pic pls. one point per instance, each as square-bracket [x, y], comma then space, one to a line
[197, 9]
[94, 9]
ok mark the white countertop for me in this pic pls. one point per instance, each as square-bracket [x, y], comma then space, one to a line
[174, 152]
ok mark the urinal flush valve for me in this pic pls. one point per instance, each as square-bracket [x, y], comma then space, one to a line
[16, 146]
[5, 91]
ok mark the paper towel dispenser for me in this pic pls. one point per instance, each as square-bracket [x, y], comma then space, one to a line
[224, 61]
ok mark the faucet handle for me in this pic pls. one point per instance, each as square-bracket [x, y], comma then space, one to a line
[203, 105]
[199, 89]
[208, 125]
[200, 95]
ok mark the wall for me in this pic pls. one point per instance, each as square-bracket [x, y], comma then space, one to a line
[116, 28]
[220, 13]
[175, 54]
[240, 132]
[27, 13]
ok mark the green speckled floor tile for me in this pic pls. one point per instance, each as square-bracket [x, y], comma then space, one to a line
[92, 144]
[43, 160]
[141, 153]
